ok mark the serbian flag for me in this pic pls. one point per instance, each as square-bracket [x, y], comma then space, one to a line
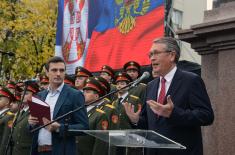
[122, 30]
[72, 33]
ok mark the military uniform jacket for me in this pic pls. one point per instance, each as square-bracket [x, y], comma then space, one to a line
[6, 123]
[111, 112]
[2, 123]
[21, 136]
[88, 145]
[140, 91]
[124, 121]
[112, 88]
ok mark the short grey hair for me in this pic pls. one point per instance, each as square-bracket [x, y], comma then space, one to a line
[171, 45]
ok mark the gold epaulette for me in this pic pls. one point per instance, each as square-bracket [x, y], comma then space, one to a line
[100, 111]
[110, 106]
[10, 113]
[135, 97]
[107, 99]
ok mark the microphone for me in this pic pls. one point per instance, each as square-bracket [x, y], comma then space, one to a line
[27, 82]
[144, 76]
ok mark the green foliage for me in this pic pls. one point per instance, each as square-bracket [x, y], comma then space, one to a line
[27, 29]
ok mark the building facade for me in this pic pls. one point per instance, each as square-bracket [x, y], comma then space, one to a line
[185, 13]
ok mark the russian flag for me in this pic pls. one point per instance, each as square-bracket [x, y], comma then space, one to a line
[122, 30]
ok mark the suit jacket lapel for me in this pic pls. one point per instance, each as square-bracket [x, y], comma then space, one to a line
[44, 95]
[175, 84]
[153, 96]
[154, 90]
[60, 100]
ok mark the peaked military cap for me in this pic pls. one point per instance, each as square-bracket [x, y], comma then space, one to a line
[5, 92]
[123, 76]
[33, 87]
[69, 80]
[80, 71]
[132, 65]
[104, 83]
[19, 86]
[44, 79]
[17, 96]
[108, 70]
[11, 84]
[14, 86]
[94, 84]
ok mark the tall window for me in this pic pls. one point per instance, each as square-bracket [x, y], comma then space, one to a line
[177, 16]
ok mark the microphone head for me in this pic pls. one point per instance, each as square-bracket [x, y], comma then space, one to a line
[146, 75]
[31, 81]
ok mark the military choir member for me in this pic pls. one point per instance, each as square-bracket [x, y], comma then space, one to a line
[123, 96]
[98, 120]
[132, 68]
[81, 75]
[22, 137]
[6, 116]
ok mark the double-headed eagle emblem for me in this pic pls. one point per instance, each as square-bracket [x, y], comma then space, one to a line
[126, 12]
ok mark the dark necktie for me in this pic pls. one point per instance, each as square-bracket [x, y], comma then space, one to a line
[120, 101]
[21, 113]
[162, 91]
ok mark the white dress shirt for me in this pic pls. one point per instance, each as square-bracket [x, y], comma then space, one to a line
[168, 77]
[88, 108]
[44, 136]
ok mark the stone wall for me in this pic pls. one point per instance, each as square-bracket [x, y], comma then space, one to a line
[214, 40]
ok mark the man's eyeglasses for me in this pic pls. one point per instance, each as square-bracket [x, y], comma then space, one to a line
[157, 53]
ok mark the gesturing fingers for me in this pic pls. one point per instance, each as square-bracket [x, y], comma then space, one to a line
[160, 109]
[156, 107]
[169, 101]
[133, 116]
[139, 109]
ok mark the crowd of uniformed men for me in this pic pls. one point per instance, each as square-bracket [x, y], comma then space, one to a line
[105, 114]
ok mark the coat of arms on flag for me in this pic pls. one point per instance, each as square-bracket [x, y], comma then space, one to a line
[71, 37]
[124, 18]
[122, 30]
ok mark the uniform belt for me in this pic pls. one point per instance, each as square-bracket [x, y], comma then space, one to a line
[44, 148]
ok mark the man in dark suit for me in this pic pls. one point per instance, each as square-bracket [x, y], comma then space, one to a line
[62, 99]
[177, 103]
